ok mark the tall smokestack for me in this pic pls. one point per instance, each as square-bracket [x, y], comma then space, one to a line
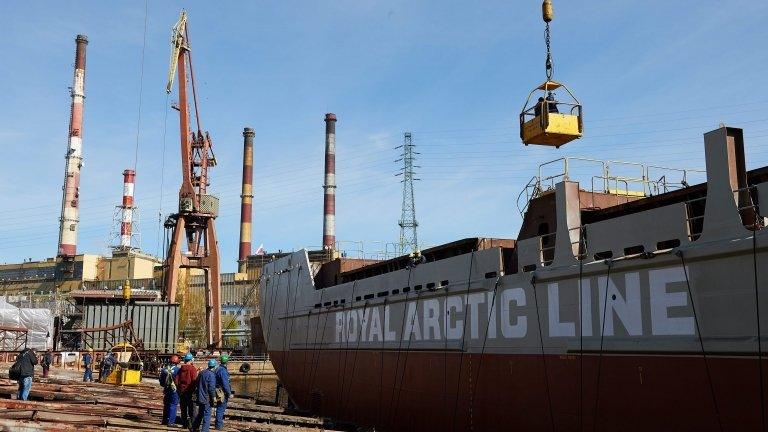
[126, 222]
[246, 200]
[71, 194]
[329, 203]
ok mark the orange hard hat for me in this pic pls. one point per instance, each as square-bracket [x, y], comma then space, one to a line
[174, 359]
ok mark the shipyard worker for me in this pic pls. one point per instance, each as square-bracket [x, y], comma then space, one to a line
[552, 103]
[106, 366]
[88, 363]
[185, 387]
[47, 362]
[170, 395]
[537, 108]
[206, 396]
[222, 382]
[23, 370]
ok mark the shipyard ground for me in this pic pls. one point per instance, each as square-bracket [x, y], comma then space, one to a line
[62, 402]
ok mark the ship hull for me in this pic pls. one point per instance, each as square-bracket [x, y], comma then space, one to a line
[646, 315]
[447, 391]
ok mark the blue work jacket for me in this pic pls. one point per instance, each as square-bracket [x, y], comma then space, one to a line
[222, 380]
[206, 387]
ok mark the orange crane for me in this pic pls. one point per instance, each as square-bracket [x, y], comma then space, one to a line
[197, 209]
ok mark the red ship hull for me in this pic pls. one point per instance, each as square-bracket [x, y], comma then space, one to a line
[422, 391]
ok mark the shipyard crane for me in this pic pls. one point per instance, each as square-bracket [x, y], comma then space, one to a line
[546, 120]
[194, 222]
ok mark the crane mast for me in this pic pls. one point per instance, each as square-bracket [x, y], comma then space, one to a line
[194, 222]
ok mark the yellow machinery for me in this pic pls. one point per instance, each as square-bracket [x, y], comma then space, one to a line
[127, 370]
[544, 119]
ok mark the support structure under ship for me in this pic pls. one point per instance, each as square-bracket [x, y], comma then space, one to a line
[611, 311]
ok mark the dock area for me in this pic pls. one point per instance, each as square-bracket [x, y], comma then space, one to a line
[62, 402]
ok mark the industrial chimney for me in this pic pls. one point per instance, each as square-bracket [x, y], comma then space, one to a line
[329, 202]
[71, 191]
[246, 200]
[126, 221]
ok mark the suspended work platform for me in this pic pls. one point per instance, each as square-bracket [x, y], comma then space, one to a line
[548, 121]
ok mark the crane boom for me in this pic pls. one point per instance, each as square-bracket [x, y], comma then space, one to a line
[177, 42]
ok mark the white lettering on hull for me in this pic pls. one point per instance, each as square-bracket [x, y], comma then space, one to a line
[618, 298]
[557, 328]
[662, 300]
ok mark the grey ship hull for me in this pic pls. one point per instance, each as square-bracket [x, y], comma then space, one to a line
[665, 338]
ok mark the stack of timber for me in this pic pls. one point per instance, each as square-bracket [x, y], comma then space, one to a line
[60, 404]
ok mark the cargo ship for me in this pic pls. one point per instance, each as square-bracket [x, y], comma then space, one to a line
[626, 304]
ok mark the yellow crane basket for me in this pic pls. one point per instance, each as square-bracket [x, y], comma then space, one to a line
[548, 121]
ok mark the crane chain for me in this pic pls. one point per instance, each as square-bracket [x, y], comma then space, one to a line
[550, 67]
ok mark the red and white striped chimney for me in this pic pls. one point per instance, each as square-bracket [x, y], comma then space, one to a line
[71, 193]
[126, 222]
[246, 201]
[329, 202]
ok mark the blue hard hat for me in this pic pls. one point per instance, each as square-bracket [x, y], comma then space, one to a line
[189, 357]
[212, 363]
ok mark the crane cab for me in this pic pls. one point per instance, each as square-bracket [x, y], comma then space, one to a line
[548, 121]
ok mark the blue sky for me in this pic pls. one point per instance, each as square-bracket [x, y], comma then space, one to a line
[652, 77]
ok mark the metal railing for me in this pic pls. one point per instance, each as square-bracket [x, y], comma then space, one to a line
[639, 179]
[547, 253]
[694, 227]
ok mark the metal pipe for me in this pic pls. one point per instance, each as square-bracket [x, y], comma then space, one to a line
[74, 158]
[329, 202]
[126, 223]
[246, 200]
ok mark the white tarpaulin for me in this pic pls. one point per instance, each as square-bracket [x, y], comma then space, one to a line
[39, 322]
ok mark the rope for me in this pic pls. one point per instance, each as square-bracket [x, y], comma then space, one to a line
[543, 357]
[407, 351]
[346, 348]
[400, 343]
[314, 344]
[609, 263]
[701, 340]
[759, 332]
[381, 371]
[463, 339]
[581, 349]
[269, 330]
[141, 85]
[319, 352]
[354, 361]
[446, 318]
[162, 180]
[482, 350]
[292, 319]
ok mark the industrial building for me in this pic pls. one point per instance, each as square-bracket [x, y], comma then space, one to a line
[88, 270]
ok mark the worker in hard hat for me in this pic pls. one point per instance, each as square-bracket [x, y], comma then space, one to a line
[170, 395]
[185, 387]
[222, 382]
[206, 397]
[552, 103]
[88, 363]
